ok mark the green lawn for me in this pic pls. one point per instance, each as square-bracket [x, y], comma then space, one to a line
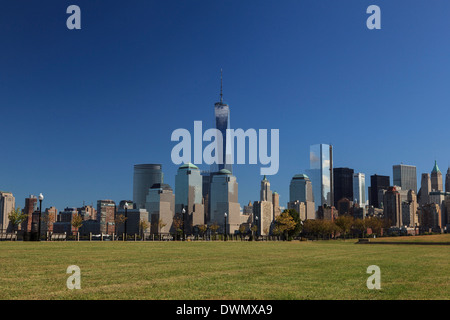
[222, 270]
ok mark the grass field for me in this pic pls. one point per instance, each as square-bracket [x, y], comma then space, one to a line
[223, 270]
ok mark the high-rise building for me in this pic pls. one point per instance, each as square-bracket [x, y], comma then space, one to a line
[188, 195]
[343, 184]
[224, 199]
[265, 193]
[436, 179]
[106, 213]
[160, 205]
[222, 118]
[447, 181]
[392, 206]
[405, 176]
[377, 183]
[409, 210]
[263, 210]
[145, 176]
[29, 208]
[301, 189]
[359, 189]
[276, 204]
[49, 217]
[7, 204]
[321, 174]
[425, 189]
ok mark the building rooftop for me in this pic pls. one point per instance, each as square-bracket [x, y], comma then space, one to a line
[300, 176]
[188, 166]
[224, 171]
[435, 168]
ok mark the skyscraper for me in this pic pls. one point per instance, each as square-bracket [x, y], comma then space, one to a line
[436, 178]
[405, 176]
[321, 174]
[377, 183]
[145, 176]
[301, 189]
[7, 204]
[425, 189]
[224, 199]
[447, 181]
[265, 193]
[222, 117]
[106, 213]
[359, 189]
[188, 195]
[160, 204]
[393, 207]
[343, 184]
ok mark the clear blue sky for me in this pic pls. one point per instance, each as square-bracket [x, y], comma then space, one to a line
[80, 107]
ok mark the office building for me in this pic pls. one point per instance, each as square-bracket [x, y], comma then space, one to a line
[359, 189]
[392, 206]
[447, 181]
[160, 205]
[265, 193]
[343, 184]
[145, 176]
[436, 179]
[377, 183]
[188, 195]
[106, 214]
[321, 174]
[7, 204]
[276, 204]
[301, 189]
[425, 189]
[222, 119]
[224, 199]
[405, 176]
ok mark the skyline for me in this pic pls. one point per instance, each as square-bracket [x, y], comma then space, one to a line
[87, 105]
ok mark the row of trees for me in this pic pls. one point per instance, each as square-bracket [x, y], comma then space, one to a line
[288, 224]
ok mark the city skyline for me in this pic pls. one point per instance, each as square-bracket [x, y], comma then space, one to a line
[76, 124]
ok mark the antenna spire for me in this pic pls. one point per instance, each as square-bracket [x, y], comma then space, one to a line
[221, 86]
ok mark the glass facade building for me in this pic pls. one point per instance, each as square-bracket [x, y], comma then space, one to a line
[145, 176]
[405, 177]
[359, 188]
[301, 189]
[321, 174]
[188, 187]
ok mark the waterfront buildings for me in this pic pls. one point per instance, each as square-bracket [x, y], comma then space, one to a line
[405, 176]
[145, 176]
[321, 174]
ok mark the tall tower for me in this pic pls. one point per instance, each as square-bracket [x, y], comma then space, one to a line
[145, 176]
[436, 178]
[447, 180]
[343, 184]
[222, 117]
[359, 189]
[188, 195]
[405, 177]
[425, 189]
[265, 193]
[321, 173]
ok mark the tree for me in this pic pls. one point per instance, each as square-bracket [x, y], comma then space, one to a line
[298, 222]
[161, 225]
[242, 230]
[178, 225]
[254, 229]
[202, 229]
[344, 223]
[16, 217]
[120, 219]
[77, 222]
[359, 225]
[285, 223]
[143, 225]
[214, 227]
